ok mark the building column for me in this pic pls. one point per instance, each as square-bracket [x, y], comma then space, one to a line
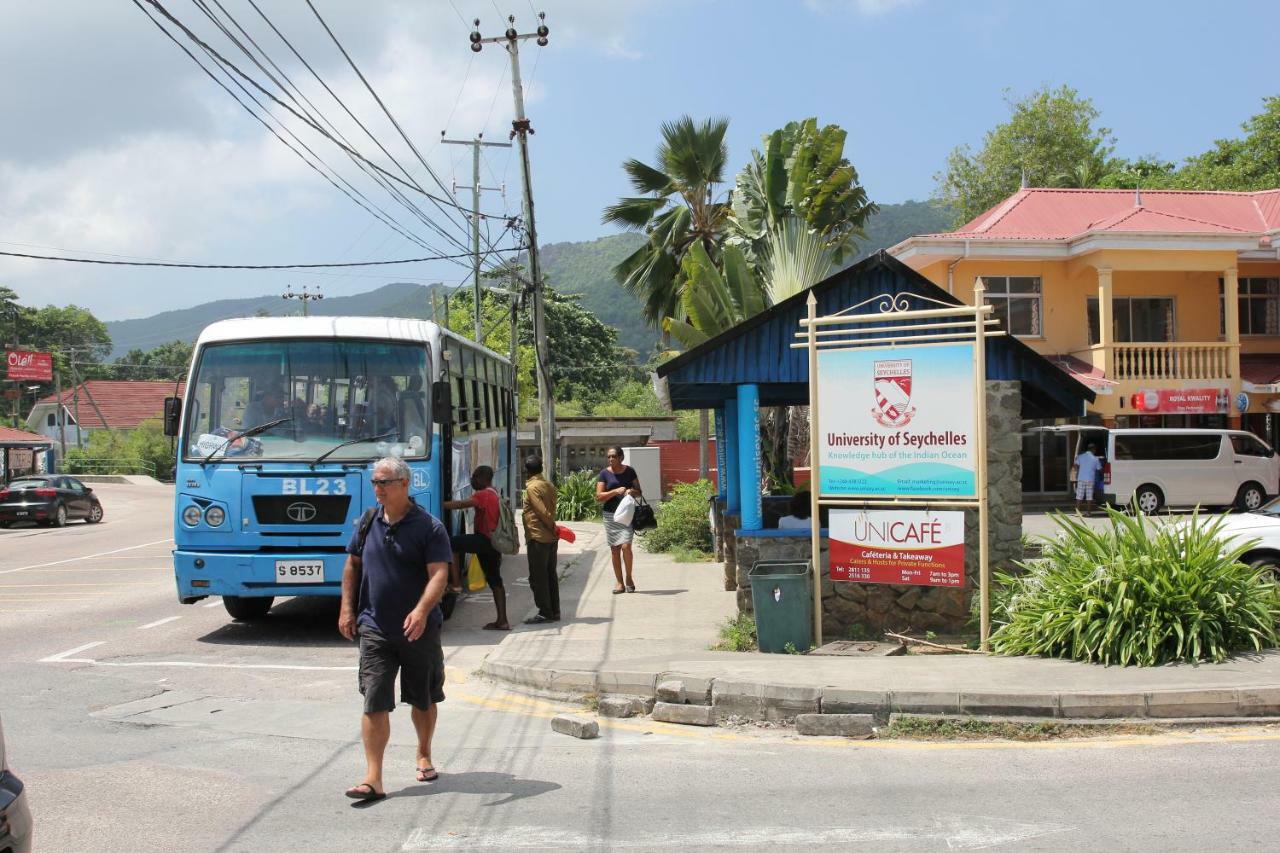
[1231, 324]
[721, 458]
[733, 504]
[1106, 323]
[749, 456]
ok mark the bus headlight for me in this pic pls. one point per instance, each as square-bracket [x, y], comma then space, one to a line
[191, 516]
[214, 516]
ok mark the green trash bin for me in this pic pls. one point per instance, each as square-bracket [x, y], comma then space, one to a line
[782, 595]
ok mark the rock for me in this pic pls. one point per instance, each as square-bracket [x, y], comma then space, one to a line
[671, 692]
[619, 707]
[575, 726]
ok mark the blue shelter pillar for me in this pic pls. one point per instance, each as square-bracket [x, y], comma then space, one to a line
[749, 456]
[730, 473]
[721, 453]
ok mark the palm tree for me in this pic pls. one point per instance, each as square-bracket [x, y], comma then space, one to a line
[676, 209]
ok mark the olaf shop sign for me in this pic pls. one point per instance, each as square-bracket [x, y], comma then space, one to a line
[897, 422]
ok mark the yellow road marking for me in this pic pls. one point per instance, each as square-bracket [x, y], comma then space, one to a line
[544, 709]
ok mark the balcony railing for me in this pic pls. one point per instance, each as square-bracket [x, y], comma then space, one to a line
[1175, 361]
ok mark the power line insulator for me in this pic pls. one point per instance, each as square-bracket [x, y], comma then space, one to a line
[475, 36]
[476, 47]
[543, 30]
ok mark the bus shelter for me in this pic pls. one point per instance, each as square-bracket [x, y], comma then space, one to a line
[22, 452]
[754, 365]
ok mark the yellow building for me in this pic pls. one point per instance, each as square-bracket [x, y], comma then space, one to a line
[1126, 290]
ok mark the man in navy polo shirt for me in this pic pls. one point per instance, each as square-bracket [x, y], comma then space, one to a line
[391, 590]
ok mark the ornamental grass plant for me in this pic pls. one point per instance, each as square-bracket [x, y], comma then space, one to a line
[1135, 592]
[576, 497]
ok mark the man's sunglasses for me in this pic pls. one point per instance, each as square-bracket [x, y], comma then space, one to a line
[378, 482]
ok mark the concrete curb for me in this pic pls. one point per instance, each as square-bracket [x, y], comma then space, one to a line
[753, 700]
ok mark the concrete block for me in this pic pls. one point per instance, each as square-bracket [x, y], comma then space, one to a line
[784, 702]
[1259, 701]
[737, 699]
[688, 715]
[838, 700]
[697, 690]
[1009, 704]
[671, 691]
[925, 701]
[626, 682]
[1193, 703]
[836, 725]
[574, 726]
[625, 706]
[1102, 705]
[570, 681]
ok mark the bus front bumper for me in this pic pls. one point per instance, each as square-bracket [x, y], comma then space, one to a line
[200, 574]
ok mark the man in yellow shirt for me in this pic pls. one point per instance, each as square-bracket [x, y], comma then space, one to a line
[541, 542]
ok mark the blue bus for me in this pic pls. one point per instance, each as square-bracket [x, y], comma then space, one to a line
[279, 426]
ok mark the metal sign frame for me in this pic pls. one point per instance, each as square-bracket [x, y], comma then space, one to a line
[894, 327]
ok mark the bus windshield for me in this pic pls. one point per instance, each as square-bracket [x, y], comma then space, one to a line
[328, 391]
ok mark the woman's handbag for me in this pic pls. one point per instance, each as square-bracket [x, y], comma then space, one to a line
[643, 518]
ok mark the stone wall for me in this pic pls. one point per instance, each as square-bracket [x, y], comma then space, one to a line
[855, 608]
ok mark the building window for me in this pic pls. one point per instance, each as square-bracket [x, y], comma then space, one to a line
[1017, 301]
[1258, 306]
[1136, 319]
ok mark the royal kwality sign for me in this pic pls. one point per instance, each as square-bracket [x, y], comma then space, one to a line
[897, 422]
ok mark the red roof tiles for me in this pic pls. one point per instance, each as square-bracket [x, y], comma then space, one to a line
[1060, 214]
[10, 436]
[124, 404]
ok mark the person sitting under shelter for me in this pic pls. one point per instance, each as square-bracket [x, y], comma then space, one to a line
[799, 518]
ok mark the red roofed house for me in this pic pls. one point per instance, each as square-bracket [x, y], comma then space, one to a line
[21, 453]
[1141, 295]
[100, 404]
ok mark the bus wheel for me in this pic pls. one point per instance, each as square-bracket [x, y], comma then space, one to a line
[246, 609]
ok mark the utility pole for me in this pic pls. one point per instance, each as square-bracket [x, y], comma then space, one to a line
[476, 145]
[304, 296]
[520, 130]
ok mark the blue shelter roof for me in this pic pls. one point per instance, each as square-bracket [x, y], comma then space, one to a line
[758, 351]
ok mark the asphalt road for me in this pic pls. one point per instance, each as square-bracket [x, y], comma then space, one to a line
[140, 724]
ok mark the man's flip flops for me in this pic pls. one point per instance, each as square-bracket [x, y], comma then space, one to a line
[364, 791]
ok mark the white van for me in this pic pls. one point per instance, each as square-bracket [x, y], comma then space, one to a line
[1156, 468]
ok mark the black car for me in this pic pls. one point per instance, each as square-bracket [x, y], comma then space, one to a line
[49, 499]
[15, 812]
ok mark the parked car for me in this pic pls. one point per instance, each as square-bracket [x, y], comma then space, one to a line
[50, 499]
[1157, 468]
[15, 813]
[1262, 527]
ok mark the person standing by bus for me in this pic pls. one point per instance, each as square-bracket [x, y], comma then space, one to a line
[484, 500]
[394, 578]
[542, 542]
[615, 481]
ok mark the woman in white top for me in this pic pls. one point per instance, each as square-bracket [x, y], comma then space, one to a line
[799, 517]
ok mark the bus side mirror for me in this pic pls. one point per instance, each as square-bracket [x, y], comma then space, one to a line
[172, 415]
[441, 402]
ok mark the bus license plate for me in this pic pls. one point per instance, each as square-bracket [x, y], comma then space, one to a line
[299, 571]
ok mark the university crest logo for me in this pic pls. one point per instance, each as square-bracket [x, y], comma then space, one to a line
[893, 392]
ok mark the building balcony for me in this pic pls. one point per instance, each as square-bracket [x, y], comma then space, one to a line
[1166, 362]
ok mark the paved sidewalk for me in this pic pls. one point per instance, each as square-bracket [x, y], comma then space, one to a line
[629, 644]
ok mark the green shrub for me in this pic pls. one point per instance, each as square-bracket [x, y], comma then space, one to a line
[576, 497]
[683, 521]
[738, 634]
[143, 450]
[1135, 593]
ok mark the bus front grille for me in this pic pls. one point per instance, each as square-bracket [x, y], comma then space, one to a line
[300, 510]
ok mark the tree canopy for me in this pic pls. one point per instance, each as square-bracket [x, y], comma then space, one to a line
[1051, 135]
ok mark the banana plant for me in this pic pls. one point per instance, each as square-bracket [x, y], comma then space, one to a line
[715, 302]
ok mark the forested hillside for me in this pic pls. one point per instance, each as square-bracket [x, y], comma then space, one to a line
[584, 269]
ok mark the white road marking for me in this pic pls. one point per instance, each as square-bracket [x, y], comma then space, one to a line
[86, 557]
[214, 603]
[959, 832]
[69, 652]
[192, 664]
[108, 569]
[53, 585]
[158, 622]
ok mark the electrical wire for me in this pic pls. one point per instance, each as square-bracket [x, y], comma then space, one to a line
[382, 216]
[172, 265]
[396, 194]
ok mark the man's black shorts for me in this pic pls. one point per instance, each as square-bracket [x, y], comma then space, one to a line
[489, 556]
[420, 663]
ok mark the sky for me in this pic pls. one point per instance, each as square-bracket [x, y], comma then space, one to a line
[116, 145]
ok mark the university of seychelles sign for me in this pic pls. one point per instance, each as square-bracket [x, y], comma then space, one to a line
[897, 422]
